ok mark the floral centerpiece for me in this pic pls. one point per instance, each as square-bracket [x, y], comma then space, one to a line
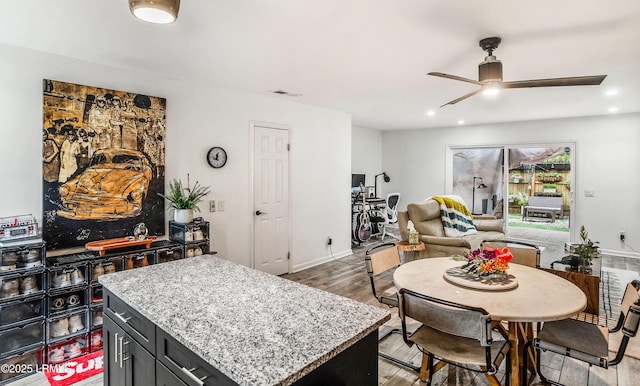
[487, 262]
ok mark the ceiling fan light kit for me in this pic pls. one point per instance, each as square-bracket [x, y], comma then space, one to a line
[155, 11]
[490, 76]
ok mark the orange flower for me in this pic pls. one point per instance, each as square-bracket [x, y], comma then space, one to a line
[504, 254]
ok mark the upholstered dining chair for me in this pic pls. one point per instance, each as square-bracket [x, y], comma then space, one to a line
[380, 261]
[586, 341]
[454, 333]
[391, 215]
[523, 253]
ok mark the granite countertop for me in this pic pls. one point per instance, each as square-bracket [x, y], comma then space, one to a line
[256, 328]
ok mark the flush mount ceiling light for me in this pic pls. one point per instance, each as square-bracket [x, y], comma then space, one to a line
[155, 11]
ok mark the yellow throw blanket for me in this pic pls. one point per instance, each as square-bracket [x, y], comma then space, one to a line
[456, 217]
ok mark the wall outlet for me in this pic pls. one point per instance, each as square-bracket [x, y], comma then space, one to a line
[622, 236]
[212, 205]
[220, 206]
[329, 240]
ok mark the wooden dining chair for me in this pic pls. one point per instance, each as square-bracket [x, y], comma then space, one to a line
[523, 253]
[454, 333]
[586, 341]
[380, 261]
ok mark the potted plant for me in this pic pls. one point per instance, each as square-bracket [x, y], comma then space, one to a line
[516, 177]
[586, 251]
[522, 199]
[549, 188]
[184, 200]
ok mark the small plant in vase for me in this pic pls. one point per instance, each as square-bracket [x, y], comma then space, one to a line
[586, 251]
[184, 200]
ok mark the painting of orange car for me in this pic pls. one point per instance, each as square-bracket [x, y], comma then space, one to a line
[112, 187]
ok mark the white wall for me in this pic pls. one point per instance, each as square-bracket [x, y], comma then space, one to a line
[198, 117]
[366, 150]
[607, 161]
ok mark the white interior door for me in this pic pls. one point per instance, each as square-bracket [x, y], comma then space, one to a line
[271, 199]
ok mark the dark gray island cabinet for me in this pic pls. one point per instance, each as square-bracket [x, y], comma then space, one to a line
[208, 321]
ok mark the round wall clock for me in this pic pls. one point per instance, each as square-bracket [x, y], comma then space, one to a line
[217, 157]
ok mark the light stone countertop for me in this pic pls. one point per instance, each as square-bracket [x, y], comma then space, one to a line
[256, 328]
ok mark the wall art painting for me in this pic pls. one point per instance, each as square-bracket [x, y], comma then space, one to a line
[102, 163]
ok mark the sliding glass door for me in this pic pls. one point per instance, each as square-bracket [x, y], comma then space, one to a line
[478, 178]
[540, 196]
[528, 186]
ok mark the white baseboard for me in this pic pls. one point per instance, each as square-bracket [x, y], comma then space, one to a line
[321, 260]
[617, 252]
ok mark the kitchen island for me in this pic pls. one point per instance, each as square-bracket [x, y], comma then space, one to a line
[209, 321]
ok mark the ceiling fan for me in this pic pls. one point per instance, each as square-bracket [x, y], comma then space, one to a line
[490, 75]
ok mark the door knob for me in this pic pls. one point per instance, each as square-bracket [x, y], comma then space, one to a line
[258, 212]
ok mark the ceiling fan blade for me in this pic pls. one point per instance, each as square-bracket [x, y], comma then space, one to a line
[554, 82]
[454, 77]
[453, 102]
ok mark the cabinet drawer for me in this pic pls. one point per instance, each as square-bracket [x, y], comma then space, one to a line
[65, 326]
[20, 286]
[164, 255]
[62, 301]
[189, 367]
[68, 276]
[21, 311]
[130, 320]
[164, 377]
[62, 351]
[20, 365]
[20, 258]
[196, 249]
[140, 259]
[100, 267]
[20, 339]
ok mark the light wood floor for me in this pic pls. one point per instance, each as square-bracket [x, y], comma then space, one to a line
[347, 277]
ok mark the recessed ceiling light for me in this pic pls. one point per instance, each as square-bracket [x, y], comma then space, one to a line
[461, 122]
[613, 109]
[431, 113]
[611, 92]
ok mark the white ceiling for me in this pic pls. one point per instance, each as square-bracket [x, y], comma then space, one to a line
[365, 57]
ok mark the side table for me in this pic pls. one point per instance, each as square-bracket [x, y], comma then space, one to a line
[405, 247]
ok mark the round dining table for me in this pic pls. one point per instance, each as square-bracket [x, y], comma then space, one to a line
[539, 296]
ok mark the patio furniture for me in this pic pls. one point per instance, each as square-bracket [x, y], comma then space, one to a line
[543, 205]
